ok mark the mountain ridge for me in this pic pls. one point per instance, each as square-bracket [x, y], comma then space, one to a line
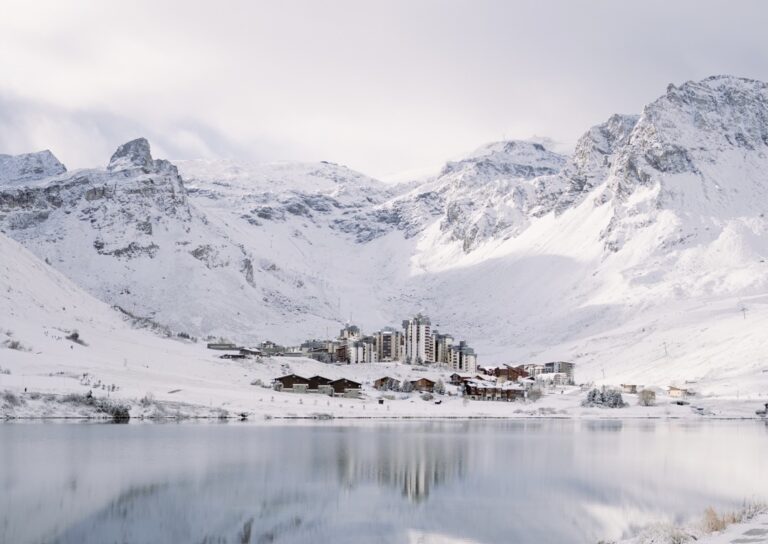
[523, 250]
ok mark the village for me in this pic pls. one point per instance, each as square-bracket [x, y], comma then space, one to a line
[449, 368]
[418, 346]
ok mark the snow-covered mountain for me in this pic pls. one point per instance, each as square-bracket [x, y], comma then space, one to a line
[129, 235]
[618, 257]
[28, 167]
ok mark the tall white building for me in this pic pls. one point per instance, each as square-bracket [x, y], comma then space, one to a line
[463, 358]
[418, 340]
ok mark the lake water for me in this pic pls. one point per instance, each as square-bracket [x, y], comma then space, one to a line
[420, 482]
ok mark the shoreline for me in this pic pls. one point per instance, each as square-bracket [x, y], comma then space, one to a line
[329, 417]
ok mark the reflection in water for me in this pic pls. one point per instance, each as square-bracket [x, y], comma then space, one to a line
[532, 481]
[413, 465]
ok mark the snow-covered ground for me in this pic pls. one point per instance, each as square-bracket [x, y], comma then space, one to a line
[751, 529]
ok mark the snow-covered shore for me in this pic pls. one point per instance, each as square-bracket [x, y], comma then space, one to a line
[203, 385]
[748, 526]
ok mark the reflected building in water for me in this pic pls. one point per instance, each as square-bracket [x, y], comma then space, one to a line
[415, 464]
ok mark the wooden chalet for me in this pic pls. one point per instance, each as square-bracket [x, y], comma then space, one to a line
[291, 382]
[343, 385]
[316, 381]
[386, 383]
[505, 372]
[458, 379]
[487, 390]
[629, 388]
[424, 385]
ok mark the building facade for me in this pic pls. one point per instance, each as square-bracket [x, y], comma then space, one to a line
[463, 358]
[418, 340]
[561, 367]
[362, 351]
[441, 346]
[389, 345]
[350, 333]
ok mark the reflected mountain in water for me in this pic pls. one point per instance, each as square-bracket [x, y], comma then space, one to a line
[473, 482]
[262, 500]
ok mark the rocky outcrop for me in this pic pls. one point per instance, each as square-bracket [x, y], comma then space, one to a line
[127, 234]
[133, 154]
[17, 169]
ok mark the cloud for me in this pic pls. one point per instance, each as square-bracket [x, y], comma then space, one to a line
[88, 138]
[381, 86]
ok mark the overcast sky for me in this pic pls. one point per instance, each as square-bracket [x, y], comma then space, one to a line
[381, 86]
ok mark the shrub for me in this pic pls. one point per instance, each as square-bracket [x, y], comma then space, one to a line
[427, 396]
[604, 398]
[439, 387]
[118, 411]
[535, 394]
[406, 386]
[390, 385]
[74, 336]
[11, 399]
[646, 397]
[15, 344]
[714, 522]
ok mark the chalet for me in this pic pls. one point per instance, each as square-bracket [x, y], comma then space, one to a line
[505, 372]
[291, 383]
[457, 379]
[316, 381]
[386, 383]
[679, 392]
[424, 385]
[630, 389]
[490, 390]
[223, 346]
[346, 387]
[250, 352]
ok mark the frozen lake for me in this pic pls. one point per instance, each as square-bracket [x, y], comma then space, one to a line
[420, 482]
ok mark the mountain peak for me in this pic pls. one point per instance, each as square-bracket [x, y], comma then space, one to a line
[133, 154]
[29, 166]
[508, 158]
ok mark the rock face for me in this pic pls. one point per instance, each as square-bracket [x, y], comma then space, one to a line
[133, 154]
[700, 152]
[29, 167]
[130, 236]
[593, 158]
[487, 194]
